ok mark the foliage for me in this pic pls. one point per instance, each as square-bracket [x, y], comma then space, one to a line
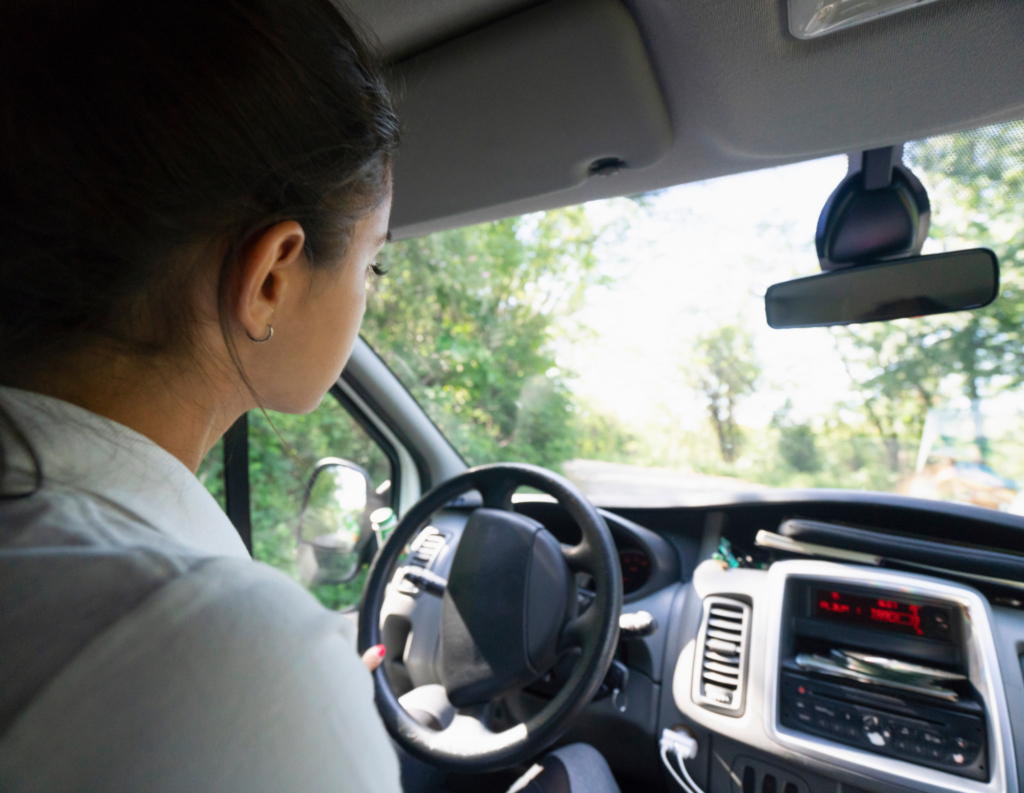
[283, 450]
[724, 370]
[797, 441]
[901, 370]
[468, 319]
[905, 368]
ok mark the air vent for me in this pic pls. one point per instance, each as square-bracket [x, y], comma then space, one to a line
[426, 547]
[720, 666]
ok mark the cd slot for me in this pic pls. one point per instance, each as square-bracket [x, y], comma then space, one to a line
[926, 650]
[887, 673]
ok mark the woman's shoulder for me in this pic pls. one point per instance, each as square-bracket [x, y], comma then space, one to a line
[229, 675]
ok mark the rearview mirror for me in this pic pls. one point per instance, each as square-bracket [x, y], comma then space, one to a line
[911, 287]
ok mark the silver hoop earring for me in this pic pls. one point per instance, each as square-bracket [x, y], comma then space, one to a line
[270, 333]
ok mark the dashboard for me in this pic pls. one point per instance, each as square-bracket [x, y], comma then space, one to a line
[809, 642]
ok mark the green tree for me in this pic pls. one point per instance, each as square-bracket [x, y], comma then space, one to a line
[976, 183]
[797, 444]
[895, 388]
[283, 450]
[469, 320]
[723, 371]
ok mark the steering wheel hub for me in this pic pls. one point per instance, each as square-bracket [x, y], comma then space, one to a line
[509, 594]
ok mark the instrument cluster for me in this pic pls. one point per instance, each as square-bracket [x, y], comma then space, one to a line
[636, 569]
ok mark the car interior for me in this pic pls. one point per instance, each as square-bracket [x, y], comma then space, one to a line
[763, 640]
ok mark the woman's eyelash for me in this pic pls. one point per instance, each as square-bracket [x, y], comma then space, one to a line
[378, 270]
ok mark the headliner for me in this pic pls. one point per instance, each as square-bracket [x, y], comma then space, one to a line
[743, 94]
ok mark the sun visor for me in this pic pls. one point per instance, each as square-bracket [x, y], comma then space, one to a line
[536, 103]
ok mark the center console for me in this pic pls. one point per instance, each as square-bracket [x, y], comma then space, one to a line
[875, 679]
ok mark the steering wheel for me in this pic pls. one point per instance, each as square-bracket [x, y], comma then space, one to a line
[509, 609]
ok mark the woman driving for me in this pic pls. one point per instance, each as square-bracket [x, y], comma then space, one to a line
[193, 194]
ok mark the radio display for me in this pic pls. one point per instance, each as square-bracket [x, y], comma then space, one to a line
[888, 613]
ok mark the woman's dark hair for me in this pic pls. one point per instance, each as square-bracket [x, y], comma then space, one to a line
[140, 137]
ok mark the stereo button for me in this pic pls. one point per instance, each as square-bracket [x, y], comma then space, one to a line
[876, 738]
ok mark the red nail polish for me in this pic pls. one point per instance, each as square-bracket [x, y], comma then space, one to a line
[380, 650]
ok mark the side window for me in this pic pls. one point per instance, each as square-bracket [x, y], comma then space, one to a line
[283, 452]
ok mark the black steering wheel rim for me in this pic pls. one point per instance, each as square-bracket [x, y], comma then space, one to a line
[462, 747]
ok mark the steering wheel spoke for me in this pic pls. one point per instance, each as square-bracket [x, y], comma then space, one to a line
[497, 491]
[576, 630]
[578, 557]
[468, 729]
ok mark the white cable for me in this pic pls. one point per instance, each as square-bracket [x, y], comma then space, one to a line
[684, 747]
[672, 771]
[682, 767]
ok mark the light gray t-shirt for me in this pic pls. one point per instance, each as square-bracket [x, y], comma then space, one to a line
[141, 648]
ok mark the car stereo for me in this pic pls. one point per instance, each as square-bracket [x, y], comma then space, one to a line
[881, 671]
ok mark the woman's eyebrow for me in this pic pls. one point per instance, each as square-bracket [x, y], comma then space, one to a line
[384, 239]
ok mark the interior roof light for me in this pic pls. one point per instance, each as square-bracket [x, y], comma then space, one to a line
[809, 19]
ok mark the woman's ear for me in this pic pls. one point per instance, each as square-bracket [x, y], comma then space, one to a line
[268, 276]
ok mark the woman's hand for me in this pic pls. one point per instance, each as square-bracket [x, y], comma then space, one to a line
[374, 656]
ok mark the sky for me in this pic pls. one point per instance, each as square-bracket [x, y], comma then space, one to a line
[699, 256]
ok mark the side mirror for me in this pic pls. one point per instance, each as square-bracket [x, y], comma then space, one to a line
[334, 530]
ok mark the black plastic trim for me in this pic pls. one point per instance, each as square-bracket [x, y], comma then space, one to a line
[898, 546]
[237, 503]
[421, 464]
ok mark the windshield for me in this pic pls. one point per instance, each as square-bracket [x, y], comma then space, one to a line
[623, 342]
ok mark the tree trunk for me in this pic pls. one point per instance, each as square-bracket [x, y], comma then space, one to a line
[722, 433]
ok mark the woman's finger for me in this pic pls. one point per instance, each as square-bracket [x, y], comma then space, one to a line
[373, 657]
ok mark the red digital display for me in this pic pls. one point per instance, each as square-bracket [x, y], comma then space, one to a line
[888, 614]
